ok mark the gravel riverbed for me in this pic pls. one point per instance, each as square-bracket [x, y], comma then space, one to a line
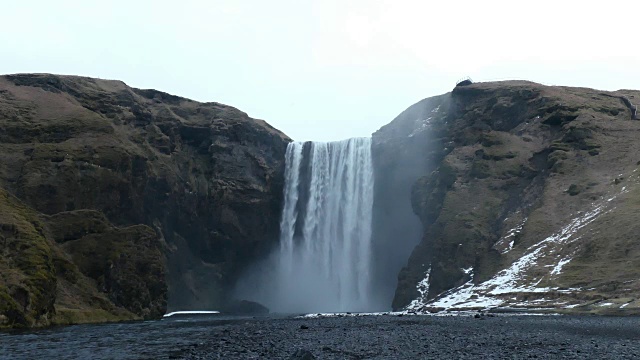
[349, 337]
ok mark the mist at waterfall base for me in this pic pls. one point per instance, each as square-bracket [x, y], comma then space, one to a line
[323, 260]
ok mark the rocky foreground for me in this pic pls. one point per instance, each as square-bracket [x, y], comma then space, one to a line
[389, 337]
[370, 337]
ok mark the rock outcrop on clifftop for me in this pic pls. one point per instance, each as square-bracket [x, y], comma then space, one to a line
[116, 200]
[529, 199]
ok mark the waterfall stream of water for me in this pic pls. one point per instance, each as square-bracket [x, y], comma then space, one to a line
[324, 258]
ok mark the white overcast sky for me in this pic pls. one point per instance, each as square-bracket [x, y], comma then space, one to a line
[323, 70]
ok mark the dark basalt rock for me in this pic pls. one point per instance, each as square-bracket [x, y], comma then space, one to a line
[245, 307]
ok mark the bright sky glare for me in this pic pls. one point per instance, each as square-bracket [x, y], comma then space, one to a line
[324, 69]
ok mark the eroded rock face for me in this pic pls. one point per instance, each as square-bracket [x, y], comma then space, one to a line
[522, 169]
[205, 177]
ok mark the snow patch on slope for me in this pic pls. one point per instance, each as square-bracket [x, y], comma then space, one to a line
[510, 237]
[558, 268]
[423, 125]
[514, 279]
[423, 289]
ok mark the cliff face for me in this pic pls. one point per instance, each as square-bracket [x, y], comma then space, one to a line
[201, 182]
[529, 201]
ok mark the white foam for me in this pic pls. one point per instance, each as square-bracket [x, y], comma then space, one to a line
[191, 312]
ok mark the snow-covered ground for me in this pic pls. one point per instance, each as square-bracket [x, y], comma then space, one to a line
[423, 290]
[411, 313]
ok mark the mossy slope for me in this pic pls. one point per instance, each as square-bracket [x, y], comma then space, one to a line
[27, 273]
[109, 274]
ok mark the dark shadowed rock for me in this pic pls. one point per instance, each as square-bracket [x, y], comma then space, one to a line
[245, 307]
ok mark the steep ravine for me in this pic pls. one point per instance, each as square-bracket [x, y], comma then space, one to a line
[527, 200]
[195, 188]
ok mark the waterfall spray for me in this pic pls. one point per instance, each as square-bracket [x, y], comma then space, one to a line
[324, 258]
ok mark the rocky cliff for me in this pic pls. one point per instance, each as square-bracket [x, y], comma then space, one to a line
[105, 187]
[528, 199]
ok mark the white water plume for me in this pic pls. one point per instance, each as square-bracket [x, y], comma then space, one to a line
[324, 258]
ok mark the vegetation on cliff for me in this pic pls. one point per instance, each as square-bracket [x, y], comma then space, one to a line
[43, 283]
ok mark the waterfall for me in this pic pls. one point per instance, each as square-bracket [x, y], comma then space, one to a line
[324, 258]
